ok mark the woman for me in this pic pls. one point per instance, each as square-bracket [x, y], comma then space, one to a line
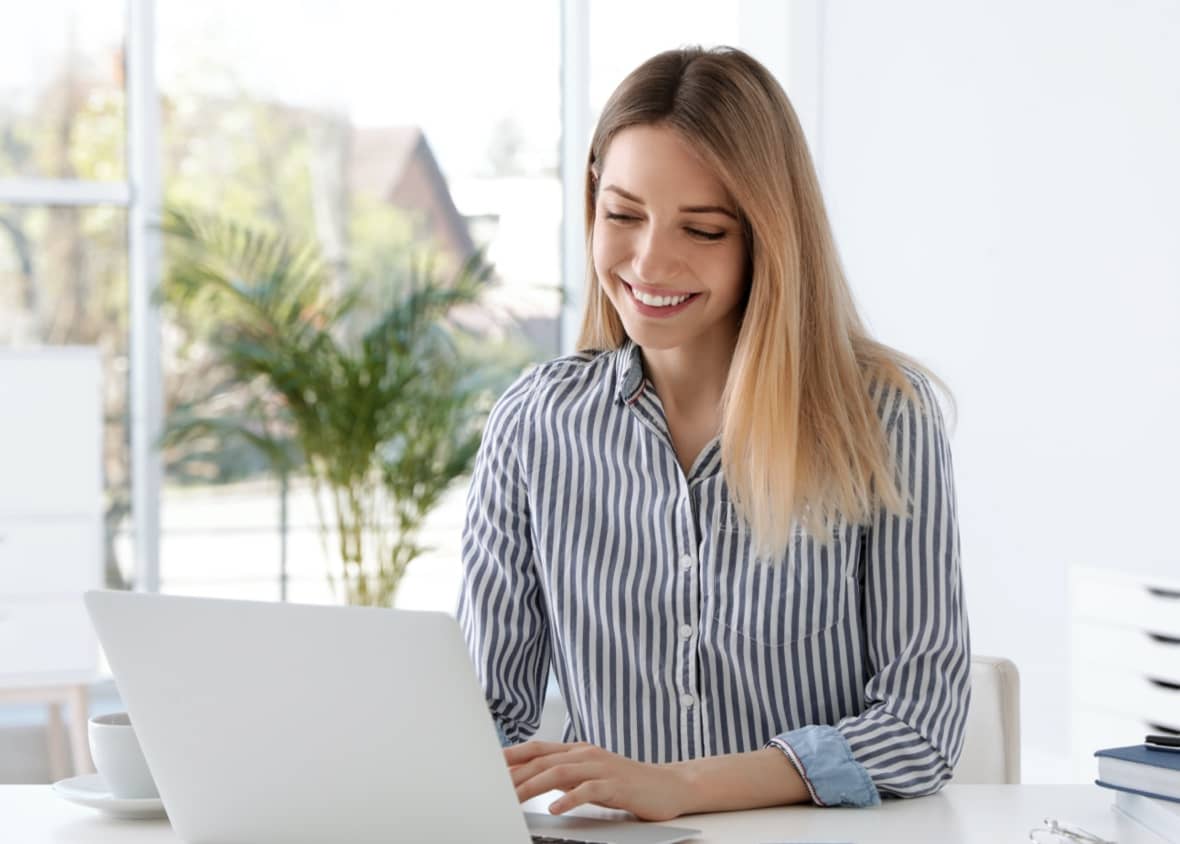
[729, 523]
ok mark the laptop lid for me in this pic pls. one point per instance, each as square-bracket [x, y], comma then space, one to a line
[277, 722]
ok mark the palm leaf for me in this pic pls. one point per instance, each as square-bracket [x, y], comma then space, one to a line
[384, 409]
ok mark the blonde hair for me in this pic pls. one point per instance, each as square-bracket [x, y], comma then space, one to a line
[800, 433]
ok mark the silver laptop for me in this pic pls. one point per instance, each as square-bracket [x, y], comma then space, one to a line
[281, 722]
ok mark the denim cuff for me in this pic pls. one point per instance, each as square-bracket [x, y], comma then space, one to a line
[824, 760]
[504, 740]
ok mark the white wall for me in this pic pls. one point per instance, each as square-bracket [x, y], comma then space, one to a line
[1004, 184]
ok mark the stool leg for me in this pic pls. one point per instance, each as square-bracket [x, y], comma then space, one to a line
[56, 739]
[79, 730]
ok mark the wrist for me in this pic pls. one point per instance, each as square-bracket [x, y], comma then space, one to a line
[686, 785]
[725, 783]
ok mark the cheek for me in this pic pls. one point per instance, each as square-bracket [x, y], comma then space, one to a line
[727, 267]
[604, 250]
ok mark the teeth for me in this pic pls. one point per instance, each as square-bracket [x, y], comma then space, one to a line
[657, 301]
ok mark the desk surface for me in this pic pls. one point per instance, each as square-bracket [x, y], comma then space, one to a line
[987, 814]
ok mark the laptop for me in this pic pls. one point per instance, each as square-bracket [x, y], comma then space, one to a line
[267, 722]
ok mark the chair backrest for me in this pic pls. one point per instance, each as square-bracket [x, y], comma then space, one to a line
[991, 751]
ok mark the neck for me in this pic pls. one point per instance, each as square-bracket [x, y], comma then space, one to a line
[690, 379]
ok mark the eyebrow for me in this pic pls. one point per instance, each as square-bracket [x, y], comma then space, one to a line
[688, 209]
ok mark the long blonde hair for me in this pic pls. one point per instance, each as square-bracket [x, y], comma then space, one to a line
[801, 438]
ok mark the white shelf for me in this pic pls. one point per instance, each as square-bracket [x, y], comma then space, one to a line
[1124, 660]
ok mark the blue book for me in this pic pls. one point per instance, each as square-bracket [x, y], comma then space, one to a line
[1140, 769]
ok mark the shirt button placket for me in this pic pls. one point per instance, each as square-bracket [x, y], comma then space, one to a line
[686, 632]
[687, 624]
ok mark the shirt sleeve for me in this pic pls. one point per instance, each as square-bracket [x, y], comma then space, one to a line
[500, 602]
[824, 760]
[907, 740]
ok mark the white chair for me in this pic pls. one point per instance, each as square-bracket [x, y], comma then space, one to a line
[991, 752]
[74, 695]
[552, 717]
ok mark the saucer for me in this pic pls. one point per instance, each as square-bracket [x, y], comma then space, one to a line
[90, 790]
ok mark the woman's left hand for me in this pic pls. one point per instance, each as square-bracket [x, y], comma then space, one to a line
[589, 774]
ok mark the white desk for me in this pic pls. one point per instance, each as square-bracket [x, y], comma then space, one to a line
[973, 814]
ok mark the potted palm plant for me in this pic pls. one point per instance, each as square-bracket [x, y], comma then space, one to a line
[381, 407]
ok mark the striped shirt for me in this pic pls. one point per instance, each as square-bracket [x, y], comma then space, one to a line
[587, 547]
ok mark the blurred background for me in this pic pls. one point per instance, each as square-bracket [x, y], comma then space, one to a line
[1001, 177]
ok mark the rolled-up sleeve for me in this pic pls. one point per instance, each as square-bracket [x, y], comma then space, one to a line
[907, 739]
[824, 761]
[500, 607]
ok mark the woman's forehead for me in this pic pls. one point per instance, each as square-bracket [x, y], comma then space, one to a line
[658, 164]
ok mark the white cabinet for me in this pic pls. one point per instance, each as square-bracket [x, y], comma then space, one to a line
[45, 555]
[45, 642]
[51, 544]
[1125, 660]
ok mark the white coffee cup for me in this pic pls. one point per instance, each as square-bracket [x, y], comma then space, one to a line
[118, 757]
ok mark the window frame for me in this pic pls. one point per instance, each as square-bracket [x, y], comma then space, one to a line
[139, 195]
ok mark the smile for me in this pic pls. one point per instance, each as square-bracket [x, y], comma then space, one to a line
[666, 304]
[658, 301]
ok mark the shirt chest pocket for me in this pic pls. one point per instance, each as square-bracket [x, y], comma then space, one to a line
[780, 602]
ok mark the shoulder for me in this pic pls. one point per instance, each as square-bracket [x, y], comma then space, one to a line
[591, 369]
[563, 378]
[905, 396]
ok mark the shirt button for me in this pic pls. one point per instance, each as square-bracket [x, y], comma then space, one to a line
[687, 561]
[686, 631]
[687, 700]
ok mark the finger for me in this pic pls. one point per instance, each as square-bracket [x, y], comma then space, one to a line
[592, 791]
[566, 777]
[567, 755]
[521, 753]
[563, 777]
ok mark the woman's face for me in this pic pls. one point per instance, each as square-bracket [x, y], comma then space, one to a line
[668, 246]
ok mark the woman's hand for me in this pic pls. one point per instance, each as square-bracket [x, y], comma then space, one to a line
[589, 774]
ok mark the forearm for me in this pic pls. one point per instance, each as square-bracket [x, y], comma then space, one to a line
[740, 781]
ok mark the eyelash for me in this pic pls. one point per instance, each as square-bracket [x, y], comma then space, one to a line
[711, 236]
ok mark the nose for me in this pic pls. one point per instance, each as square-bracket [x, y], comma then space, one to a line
[656, 260]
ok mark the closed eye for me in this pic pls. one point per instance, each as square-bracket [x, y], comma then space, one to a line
[697, 233]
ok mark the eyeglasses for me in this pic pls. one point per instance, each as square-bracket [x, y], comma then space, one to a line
[1056, 833]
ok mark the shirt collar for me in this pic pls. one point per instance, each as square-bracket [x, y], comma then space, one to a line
[629, 377]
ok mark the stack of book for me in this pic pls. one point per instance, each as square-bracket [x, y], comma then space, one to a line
[1146, 778]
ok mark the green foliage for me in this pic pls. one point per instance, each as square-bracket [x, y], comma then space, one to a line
[377, 402]
[63, 272]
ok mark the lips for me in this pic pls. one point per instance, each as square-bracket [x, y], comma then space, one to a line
[659, 310]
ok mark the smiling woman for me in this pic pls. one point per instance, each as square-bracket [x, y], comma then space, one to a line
[729, 521]
[680, 252]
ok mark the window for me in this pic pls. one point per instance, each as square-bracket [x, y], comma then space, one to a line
[63, 259]
[61, 91]
[368, 129]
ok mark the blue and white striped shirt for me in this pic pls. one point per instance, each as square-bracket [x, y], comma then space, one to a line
[587, 547]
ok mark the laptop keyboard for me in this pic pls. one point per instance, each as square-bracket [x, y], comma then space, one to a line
[546, 839]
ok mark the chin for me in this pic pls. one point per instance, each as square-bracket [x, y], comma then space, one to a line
[655, 337]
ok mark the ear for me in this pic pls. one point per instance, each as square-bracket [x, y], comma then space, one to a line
[594, 167]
